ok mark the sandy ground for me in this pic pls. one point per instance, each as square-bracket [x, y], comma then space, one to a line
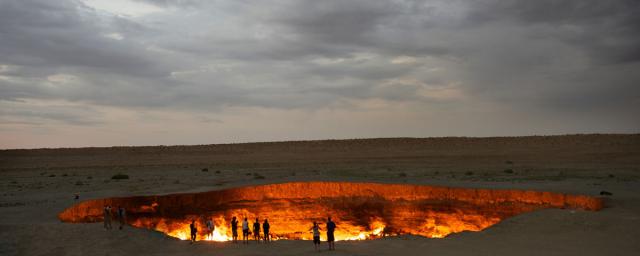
[38, 184]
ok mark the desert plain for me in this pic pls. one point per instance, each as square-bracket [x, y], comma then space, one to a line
[37, 184]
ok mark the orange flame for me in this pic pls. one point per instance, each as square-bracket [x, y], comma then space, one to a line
[360, 210]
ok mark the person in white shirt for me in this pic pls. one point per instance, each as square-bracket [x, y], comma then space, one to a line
[107, 217]
[316, 235]
[245, 231]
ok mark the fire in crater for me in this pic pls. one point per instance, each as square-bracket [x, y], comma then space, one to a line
[361, 210]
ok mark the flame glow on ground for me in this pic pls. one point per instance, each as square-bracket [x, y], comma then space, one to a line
[360, 210]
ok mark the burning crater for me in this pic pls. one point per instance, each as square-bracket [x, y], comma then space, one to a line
[361, 210]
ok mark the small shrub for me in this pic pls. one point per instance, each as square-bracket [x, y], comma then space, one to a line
[205, 169]
[52, 175]
[89, 177]
[508, 171]
[79, 183]
[64, 175]
[258, 176]
[218, 172]
[611, 175]
[469, 173]
[402, 174]
[605, 193]
[248, 174]
[120, 176]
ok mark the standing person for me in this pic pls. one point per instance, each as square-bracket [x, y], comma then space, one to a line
[122, 215]
[245, 231]
[107, 217]
[316, 235]
[210, 228]
[256, 230]
[234, 229]
[331, 227]
[265, 230]
[194, 231]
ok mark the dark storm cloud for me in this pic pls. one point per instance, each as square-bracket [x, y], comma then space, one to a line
[607, 30]
[557, 55]
[40, 39]
[549, 11]
[63, 33]
[204, 55]
[166, 3]
[336, 22]
[390, 27]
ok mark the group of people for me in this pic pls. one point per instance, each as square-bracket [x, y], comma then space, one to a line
[234, 230]
[120, 214]
[246, 232]
[266, 236]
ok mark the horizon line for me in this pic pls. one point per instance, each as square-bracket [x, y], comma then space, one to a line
[319, 140]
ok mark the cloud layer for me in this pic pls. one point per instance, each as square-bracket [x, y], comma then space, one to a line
[274, 70]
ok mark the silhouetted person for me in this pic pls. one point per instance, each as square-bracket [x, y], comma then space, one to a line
[331, 227]
[256, 230]
[234, 229]
[265, 230]
[76, 196]
[122, 216]
[316, 235]
[194, 231]
[210, 228]
[245, 231]
[107, 217]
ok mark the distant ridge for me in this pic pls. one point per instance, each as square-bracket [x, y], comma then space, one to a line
[561, 136]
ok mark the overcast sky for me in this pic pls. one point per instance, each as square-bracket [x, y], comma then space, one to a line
[144, 72]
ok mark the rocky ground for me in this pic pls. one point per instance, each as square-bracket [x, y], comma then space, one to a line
[37, 184]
